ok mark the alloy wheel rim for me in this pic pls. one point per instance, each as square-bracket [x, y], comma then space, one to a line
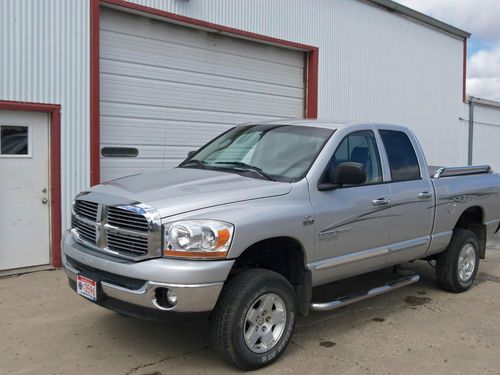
[466, 262]
[265, 323]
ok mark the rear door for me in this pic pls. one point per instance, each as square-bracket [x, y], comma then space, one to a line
[411, 196]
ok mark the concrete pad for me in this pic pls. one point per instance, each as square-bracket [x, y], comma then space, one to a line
[47, 329]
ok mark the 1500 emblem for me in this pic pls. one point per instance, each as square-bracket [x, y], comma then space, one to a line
[333, 234]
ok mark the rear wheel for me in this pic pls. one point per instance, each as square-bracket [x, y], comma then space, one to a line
[457, 266]
[254, 319]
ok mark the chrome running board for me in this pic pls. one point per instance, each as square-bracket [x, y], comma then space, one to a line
[347, 300]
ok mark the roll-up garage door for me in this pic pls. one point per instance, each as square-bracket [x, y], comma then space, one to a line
[167, 89]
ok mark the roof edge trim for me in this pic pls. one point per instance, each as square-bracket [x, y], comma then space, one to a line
[393, 7]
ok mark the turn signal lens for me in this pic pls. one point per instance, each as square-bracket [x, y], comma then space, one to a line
[223, 237]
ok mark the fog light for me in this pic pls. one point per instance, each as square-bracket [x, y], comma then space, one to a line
[171, 297]
[165, 298]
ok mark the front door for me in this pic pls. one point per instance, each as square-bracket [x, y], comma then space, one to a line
[352, 222]
[24, 187]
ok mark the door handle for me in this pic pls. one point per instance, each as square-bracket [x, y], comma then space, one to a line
[424, 195]
[381, 201]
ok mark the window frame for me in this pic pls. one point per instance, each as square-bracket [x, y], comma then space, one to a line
[322, 176]
[389, 162]
[30, 141]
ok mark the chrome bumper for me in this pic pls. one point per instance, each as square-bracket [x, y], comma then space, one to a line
[191, 296]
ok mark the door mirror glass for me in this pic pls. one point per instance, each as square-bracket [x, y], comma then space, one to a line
[349, 173]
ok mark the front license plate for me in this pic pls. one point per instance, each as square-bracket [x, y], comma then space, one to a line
[86, 287]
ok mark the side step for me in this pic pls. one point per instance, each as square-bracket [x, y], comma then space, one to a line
[347, 300]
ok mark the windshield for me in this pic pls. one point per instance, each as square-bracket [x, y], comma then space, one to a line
[275, 152]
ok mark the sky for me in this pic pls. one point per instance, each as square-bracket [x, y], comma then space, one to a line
[482, 19]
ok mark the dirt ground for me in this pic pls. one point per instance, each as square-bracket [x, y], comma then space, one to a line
[45, 328]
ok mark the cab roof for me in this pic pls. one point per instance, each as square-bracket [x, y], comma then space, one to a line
[328, 124]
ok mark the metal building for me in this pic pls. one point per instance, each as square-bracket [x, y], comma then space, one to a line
[96, 89]
[483, 120]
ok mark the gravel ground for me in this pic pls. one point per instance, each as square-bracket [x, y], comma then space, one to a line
[47, 329]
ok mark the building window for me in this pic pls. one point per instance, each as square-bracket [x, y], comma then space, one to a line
[15, 140]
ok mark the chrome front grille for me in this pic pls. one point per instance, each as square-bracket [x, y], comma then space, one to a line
[130, 231]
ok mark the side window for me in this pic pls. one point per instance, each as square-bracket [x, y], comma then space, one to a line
[359, 147]
[402, 158]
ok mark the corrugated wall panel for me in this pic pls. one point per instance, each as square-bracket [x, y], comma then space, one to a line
[373, 65]
[44, 48]
[486, 136]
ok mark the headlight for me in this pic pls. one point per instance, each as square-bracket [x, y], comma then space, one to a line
[198, 239]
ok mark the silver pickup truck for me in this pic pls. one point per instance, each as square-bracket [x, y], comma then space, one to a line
[247, 225]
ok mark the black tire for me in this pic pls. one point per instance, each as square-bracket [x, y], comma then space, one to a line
[447, 263]
[240, 294]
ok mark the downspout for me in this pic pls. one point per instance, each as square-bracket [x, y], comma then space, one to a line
[471, 130]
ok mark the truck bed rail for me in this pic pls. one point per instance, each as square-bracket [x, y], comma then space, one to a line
[462, 171]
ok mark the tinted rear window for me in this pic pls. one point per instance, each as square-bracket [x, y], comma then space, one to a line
[401, 154]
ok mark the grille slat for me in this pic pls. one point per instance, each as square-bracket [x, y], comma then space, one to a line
[86, 209]
[92, 205]
[86, 231]
[126, 222]
[121, 231]
[120, 217]
[120, 242]
[123, 212]
[126, 240]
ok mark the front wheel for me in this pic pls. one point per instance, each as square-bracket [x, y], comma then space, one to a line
[254, 319]
[457, 266]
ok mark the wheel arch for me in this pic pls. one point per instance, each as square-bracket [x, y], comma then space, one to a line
[473, 219]
[284, 255]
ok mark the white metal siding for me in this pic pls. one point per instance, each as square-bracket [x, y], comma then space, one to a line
[167, 89]
[486, 136]
[44, 57]
[372, 65]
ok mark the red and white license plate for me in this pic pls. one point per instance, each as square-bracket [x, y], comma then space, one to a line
[86, 287]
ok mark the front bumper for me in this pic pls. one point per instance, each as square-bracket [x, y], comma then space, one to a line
[197, 284]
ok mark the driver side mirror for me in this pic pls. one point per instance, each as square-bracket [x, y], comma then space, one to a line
[191, 153]
[346, 173]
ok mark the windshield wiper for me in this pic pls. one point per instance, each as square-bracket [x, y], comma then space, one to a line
[249, 167]
[196, 162]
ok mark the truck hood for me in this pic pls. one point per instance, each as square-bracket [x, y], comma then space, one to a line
[181, 190]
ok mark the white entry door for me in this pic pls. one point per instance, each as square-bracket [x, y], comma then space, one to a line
[24, 189]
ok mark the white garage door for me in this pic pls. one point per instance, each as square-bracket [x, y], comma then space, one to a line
[167, 89]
